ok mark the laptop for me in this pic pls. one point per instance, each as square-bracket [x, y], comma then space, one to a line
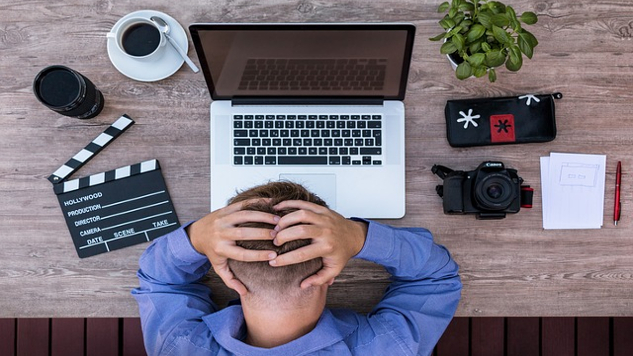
[316, 104]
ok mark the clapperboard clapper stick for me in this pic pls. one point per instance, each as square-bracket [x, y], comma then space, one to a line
[114, 209]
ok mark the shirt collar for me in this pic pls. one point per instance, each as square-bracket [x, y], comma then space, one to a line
[227, 327]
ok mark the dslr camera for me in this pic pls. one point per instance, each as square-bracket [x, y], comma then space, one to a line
[491, 191]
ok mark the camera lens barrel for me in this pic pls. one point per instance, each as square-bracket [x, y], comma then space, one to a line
[495, 191]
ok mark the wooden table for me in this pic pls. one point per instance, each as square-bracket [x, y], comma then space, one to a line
[510, 267]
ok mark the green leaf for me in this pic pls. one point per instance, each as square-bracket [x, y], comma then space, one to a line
[529, 18]
[475, 32]
[448, 48]
[529, 37]
[475, 47]
[443, 6]
[486, 47]
[484, 18]
[511, 14]
[492, 75]
[514, 63]
[454, 30]
[439, 37]
[476, 59]
[500, 20]
[447, 23]
[497, 7]
[458, 41]
[525, 47]
[479, 71]
[501, 35]
[466, 6]
[452, 12]
[463, 71]
[495, 58]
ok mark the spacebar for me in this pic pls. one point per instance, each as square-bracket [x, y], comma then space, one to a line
[301, 160]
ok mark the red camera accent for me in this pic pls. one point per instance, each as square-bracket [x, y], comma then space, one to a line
[502, 128]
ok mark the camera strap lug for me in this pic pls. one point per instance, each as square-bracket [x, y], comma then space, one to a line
[527, 194]
[441, 171]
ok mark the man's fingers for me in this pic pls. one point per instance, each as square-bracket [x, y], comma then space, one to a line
[299, 255]
[324, 276]
[241, 254]
[301, 205]
[246, 216]
[250, 233]
[229, 280]
[297, 232]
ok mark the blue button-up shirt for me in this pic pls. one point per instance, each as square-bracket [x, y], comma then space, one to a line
[179, 318]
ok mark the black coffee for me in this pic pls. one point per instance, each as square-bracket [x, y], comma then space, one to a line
[59, 87]
[140, 39]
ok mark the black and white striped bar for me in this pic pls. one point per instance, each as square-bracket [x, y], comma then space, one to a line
[94, 147]
[105, 177]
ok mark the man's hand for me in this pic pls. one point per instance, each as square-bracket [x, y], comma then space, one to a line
[334, 238]
[215, 235]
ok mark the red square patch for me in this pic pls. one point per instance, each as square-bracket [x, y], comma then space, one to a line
[502, 128]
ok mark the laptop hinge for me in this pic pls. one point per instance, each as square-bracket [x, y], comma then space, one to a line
[306, 101]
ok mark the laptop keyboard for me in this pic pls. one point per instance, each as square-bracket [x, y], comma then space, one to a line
[307, 139]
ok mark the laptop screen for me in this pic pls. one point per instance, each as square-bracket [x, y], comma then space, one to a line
[304, 60]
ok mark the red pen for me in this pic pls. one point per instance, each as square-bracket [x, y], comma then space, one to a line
[617, 207]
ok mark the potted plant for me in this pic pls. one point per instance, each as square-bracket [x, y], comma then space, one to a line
[481, 35]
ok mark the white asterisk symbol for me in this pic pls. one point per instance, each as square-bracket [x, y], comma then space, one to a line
[468, 118]
[529, 97]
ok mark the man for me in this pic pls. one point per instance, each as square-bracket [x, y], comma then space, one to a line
[267, 244]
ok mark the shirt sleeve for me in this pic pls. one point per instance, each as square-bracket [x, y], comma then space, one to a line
[425, 290]
[170, 299]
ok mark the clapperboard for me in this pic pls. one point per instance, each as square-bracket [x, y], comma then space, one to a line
[115, 209]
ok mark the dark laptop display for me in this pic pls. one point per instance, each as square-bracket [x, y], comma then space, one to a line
[311, 60]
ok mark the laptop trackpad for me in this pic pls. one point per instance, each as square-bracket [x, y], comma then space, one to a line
[323, 185]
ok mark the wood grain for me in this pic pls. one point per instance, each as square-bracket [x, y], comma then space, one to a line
[509, 268]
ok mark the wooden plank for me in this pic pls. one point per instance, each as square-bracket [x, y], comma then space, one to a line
[32, 337]
[523, 336]
[455, 340]
[7, 335]
[557, 336]
[132, 337]
[102, 337]
[622, 336]
[67, 336]
[487, 336]
[592, 336]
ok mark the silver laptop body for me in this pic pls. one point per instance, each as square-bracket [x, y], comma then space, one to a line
[316, 104]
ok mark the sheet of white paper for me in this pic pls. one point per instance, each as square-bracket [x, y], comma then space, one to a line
[575, 191]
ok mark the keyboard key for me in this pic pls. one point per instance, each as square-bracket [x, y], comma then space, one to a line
[237, 124]
[256, 142]
[312, 151]
[369, 142]
[322, 151]
[241, 142]
[366, 160]
[376, 117]
[281, 151]
[270, 117]
[366, 117]
[292, 151]
[248, 124]
[240, 133]
[250, 151]
[371, 151]
[248, 117]
[248, 160]
[377, 162]
[271, 151]
[333, 151]
[303, 151]
[346, 160]
[259, 117]
[239, 150]
[361, 125]
[334, 160]
[302, 160]
[259, 160]
[261, 150]
[238, 117]
[355, 117]
[356, 163]
[237, 160]
[366, 133]
[374, 124]
[270, 160]
[266, 142]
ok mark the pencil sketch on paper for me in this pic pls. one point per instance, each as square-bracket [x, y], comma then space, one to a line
[579, 174]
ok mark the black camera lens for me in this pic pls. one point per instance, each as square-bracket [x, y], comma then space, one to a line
[495, 192]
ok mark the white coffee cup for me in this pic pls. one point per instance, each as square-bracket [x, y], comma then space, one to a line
[138, 38]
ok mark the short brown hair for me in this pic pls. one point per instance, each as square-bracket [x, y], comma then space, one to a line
[262, 280]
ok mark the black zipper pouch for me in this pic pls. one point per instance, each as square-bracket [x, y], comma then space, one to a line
[498, 121]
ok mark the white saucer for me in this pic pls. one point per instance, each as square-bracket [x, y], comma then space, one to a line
[144, 71]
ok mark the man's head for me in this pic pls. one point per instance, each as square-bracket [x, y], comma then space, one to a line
[264, 282]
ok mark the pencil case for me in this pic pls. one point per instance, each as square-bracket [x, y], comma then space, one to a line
[497, 121]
